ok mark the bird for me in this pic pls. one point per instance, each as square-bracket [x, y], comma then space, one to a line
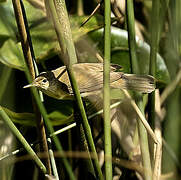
[89, 77]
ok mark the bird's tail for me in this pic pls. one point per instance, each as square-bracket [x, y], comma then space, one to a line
[140, 83]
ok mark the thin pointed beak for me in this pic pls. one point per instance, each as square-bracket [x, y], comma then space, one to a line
[29, 85]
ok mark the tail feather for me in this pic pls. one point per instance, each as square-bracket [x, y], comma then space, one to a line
[141, 83]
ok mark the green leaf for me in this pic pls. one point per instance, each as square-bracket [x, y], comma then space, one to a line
[56, 117]
[10, 50]
[26, 119]
[42, 34]
[3, 39]
[44, 41]
[10, 55]
[95, 22]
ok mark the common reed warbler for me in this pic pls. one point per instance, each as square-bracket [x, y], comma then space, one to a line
[89, 77]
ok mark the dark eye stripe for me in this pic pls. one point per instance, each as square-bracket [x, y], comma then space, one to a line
[48, 75]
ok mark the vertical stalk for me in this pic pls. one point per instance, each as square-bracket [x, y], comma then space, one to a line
[62, 27]
[153, 54]
[51, 130]
[24, 37]
[106, 105]
[85, 123]
[65, 30]
[144, 144]
[28, 55]
[154, 35]
[135, 69]
[52, 159]
[84, 146]
[131, 36]
[80, 8]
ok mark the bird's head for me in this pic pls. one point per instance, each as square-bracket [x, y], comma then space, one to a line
[47, 83]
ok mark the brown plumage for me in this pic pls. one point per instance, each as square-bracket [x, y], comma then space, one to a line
[89, 77]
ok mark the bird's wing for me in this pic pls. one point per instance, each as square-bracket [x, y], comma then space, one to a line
[89, 76]
[89, 80]
[95, 67]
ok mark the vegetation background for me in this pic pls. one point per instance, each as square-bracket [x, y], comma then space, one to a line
[16, 102]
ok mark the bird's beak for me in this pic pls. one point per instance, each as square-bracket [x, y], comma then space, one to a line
[30, 85]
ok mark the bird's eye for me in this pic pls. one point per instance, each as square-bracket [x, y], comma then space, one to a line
[44, 80]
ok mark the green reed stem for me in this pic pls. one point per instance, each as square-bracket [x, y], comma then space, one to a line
[28, 53]
[155, 28]
[20, 137]
[106, 103]
[62, 27]
[50, 128]
[135, 69]
[153, 53]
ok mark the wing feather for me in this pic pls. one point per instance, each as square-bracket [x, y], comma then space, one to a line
[89, 76]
